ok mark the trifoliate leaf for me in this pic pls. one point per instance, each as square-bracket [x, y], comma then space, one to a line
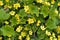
[34, 10]
[3, 15]
[22, 13]
[7, 30]
[44, 11]
[51, 24]
[13, 21]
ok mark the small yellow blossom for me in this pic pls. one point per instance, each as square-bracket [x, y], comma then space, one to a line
[27, 37]
[26, 28]
[51, 38]
[23, 34]
[59, 15]
[46, 3]
[55, 38]
[53, 34]
[17, 5]
[6, 22]
[19, 28]
[18, 21]
[58, 29]
[58, 37]
[1, 3]
[48, 33]
[7, 0]
[42, 27]
[30, 20]
[0, 38]
[58, 3]
[39, 8]
[7, 6]
[38, 23]
[56, 11]
[26, 8]
[9, 35]
[52, 1]
[39, 1]
[20, 37]
[30, 32]
[17, 16]
[12, 13]
[9, 38]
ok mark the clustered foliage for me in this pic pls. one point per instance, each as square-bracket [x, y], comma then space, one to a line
[29, 19]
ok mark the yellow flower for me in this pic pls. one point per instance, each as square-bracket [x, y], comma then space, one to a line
[19, 28]
[9, 35]
[23, 34]
[26, 8]
[58, 29]
[7, 0]
[6, 22]
[0, 38]
[59, 15]
[48, 33]
[42, 27]
[30, 32]
[18, 21]
[51, 38]
[17, 16]
[17, 5]
[52, 1]
[56, 11]
[58, 37]
[38, 23]
[20, 37]
[30, 20]
[26, 28]
[7, 6]
[39, 1]
[27, 37]
[46, 3]
[1, 3]
[12, 13]
[53, 34]
[58, 3]
[55, 38]
[39, 8]
[9, 38]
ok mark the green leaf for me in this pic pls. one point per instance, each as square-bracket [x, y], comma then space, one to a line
[3, 15]
[44, 10]
[7, 30]
[46, 38]
[52, 14]
[41, 34]
[0, 32]
[22, 13]
[51, 24]
[34, 10]
[13, 21]
[27, 1]
[22, 21]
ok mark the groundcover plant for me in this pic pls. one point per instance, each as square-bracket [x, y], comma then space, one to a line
[29, 19]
